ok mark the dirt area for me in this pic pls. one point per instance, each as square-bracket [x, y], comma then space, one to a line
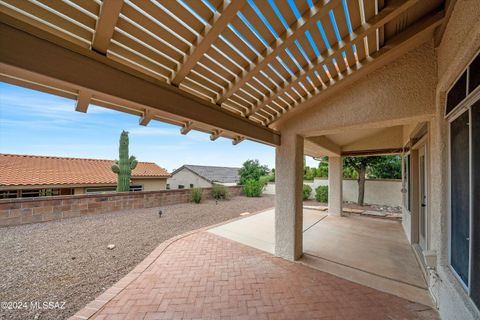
[370, 210]
[68, 264]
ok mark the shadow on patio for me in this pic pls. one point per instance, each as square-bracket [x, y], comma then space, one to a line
[204, 276]
[370, 251]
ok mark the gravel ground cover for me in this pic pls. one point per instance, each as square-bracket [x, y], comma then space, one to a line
[67, 261]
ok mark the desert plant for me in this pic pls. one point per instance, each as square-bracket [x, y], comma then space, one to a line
[197, 195]
[264, 180]
[220, 192]
[307, 191]
[124, 166]
[272, 176]
[253, 188]
[321, 193]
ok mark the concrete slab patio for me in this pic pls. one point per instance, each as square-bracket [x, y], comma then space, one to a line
[204, 276]
[258, 230]
[369, 251]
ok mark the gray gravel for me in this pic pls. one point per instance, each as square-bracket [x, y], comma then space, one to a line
[68, 260]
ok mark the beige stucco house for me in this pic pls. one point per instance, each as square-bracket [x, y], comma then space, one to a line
[193, 176]
[331, 78]
[36, 176]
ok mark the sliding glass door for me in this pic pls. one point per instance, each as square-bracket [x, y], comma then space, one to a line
[465, 198]
[460, 196]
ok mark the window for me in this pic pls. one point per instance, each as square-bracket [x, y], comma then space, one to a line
[8, 194]
[460, 196]
[474, 74]
[407, 181]
[136, 188]
[475, 181]
[181, 186]
[168, 186]
[100, 190]
[191, 185]
[31, 193]
[464, 86]
[457, 93]
[464, 197]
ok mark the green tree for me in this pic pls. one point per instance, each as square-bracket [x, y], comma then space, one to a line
[361, 165]
[252, 170]
[390, 167]
[322, 170]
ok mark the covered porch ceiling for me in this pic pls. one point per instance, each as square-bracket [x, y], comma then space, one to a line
[228, 68]
[357, 142]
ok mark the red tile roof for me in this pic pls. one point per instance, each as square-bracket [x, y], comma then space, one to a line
[23, 170]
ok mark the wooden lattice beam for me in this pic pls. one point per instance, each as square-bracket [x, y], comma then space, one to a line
[109, 13]
[26, 54]
[287, 38]
[207, 37]
[83, 100]
[389, 13]
[412, 37]
[146, 117]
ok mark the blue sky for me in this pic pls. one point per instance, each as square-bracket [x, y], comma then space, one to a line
[37, 123]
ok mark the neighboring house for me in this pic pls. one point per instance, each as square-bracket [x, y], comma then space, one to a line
[36, 176]
[191, 176]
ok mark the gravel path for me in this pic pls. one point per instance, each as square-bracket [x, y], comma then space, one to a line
[68, 260]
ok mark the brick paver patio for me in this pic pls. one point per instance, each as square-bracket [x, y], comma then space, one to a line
[204, 276]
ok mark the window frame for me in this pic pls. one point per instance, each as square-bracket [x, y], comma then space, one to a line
[460, 109]
[99, 188]
[468, 94]
[135, 186]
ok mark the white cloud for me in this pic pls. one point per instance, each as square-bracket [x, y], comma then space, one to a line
[152, 131]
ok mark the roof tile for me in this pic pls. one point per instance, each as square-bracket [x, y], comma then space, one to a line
[23, 170]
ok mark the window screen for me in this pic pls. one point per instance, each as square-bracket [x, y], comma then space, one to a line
[475, 281]
[460, 206]
[408, 184]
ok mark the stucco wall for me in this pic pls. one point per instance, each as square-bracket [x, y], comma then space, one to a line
[460, 43]
[186, 177]
[405, 92]
[79, 190]
[381, 192]
[150, 184]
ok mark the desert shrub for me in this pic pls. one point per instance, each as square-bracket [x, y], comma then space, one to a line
[321, 193]
[197, 195]
[220, 192]
[271, 177]
[307, 191]
[264, 180]
[253, 188]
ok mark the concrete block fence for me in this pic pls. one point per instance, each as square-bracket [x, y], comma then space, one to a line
[28, 210]
[377, 191]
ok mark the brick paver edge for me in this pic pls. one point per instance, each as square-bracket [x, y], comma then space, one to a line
[96, 305]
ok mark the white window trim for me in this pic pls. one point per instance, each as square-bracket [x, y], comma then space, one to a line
[460, 109]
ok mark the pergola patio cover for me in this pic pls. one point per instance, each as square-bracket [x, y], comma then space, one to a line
[229, 68]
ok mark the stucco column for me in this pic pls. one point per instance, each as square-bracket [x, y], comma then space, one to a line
[288, 197]
[335, 193]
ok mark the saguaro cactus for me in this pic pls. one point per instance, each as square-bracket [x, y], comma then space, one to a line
[124, 166]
